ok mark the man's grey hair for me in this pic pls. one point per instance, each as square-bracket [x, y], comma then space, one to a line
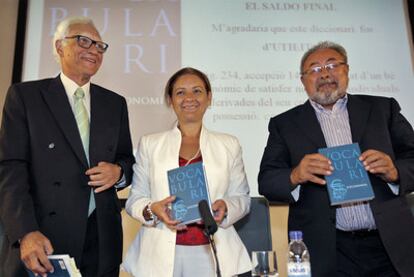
[63, 29]
[324, 45]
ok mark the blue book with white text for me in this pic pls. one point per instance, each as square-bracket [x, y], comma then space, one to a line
[349, 181]
[189, 185]
[63, 265]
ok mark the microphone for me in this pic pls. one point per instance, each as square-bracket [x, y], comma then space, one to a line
[210, 225]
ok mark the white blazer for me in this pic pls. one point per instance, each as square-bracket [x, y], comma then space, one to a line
[152, 252]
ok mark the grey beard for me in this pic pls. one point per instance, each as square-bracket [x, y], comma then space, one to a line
[327, 98]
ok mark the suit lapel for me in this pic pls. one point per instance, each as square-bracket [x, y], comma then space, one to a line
[308, 122]
[358, 112]
[57, 100]
[100, 137]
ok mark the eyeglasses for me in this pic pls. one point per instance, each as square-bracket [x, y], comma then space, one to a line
[318, 69]
[86, 43]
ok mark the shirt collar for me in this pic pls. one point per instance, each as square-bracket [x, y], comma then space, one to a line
[70, 86]
[339, 105]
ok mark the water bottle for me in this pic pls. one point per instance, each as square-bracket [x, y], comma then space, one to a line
[298, 256]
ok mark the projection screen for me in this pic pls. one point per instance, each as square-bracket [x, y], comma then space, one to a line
[250, 50]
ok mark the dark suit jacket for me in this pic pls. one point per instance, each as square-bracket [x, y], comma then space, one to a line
[376, 123]
[43, 185]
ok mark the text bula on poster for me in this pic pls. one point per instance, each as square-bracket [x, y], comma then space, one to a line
[134, 54]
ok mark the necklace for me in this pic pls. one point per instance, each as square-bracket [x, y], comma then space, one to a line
[195, 156]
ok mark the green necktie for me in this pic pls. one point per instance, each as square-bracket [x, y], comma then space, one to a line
[82, 119]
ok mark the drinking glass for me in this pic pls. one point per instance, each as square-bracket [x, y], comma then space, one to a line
[264, 263]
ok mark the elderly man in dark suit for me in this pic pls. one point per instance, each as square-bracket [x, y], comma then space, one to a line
[65, 148]
[359, 239]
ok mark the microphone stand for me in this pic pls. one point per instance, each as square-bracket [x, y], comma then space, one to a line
[213, 246]
[210, 227]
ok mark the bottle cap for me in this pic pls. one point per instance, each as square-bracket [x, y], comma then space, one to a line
[295, 235]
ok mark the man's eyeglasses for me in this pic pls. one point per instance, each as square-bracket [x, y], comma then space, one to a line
[318, 69]
[86, 43]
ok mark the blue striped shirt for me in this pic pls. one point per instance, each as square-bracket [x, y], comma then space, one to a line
[337, 131]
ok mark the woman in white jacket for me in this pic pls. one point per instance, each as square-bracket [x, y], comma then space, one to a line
[162, 248]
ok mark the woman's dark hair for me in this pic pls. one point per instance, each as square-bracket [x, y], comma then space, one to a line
[184, 71]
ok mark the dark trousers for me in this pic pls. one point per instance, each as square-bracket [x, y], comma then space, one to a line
[362, 254]
[90, 255]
